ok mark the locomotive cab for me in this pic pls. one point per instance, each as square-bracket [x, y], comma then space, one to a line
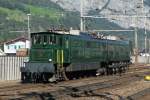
[42, 47]
[45, 54]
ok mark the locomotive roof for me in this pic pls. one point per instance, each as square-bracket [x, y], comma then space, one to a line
[44, 33]
[87, 36]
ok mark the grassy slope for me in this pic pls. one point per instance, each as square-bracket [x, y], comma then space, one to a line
[13, 17]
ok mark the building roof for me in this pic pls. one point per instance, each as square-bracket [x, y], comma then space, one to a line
[15, 40]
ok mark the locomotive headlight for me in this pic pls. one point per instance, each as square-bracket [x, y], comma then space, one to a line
[27, 59]
[50, 60]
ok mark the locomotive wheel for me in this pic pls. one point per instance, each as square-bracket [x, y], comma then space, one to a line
[23, 78]
[123, 69]
[73, 75]
[120, 70]
[70, 75]
[80, 74]
[45, 77]
[34, 78]
[109, 71]
[115, 70]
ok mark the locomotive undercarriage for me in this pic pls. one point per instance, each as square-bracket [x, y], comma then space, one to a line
[113, 68]
[110, 68]
[28, 77]
[67, 74]
[37, 72]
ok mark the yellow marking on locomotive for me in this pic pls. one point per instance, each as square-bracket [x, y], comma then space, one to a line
[57, 56]
[62, 56]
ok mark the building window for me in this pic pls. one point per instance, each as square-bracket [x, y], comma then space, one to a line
[15, 47]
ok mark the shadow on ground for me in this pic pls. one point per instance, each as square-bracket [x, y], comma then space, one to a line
[35, 96]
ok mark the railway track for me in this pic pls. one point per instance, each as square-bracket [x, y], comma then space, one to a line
[84, 88]
[88, 89]
[140, 95]
[132, 69]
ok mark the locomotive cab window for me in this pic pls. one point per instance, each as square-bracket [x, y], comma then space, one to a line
[39, 39]
[36, 39]
[50, 39]
[45, 39]
[54, 39]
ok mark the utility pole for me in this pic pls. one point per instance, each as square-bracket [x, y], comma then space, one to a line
[135, 40]
[81, 16]
[29, 29]
[136, 44]
[145, 32]
[145, 19]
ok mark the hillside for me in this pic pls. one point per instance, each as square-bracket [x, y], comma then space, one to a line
[114, 7]
[111, 7]
[44, 14]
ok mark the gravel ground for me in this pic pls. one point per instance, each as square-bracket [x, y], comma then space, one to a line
[127, 90]
[42, 91]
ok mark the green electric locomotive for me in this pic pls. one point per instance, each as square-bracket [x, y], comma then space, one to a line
[65, 56]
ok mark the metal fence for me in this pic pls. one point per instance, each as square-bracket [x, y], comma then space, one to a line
[10, 67]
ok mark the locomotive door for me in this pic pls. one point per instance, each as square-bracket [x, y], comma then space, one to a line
[60, 59]
[58, 51]
[60, 66]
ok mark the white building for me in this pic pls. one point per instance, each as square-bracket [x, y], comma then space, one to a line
[2, 53]
[10, 47]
